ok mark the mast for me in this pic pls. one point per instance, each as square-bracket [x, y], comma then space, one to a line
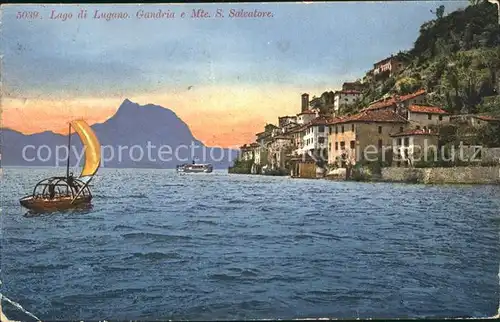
[69, 150]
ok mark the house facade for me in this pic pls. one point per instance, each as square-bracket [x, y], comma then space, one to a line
[278, 151]
[387, 67]
[363, 136]
[474, 120]
[401, 103]
[315, 138]
[345, 98]
[307, 116]
[246, 152]
[423, 116]
[413, 145]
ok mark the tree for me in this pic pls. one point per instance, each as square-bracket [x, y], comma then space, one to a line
[439, 12]
[489, 135]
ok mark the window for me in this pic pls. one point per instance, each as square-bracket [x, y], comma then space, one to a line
[401, 129]
[321, 128]
[399, 141]
[342, 129]
[440, 117]
[380, 144]
[321, 140]
[379, 130]
[336, 129]
[352, 127]
[429, 116]
[353, 145]
[407, 141]
[418, 127]
[336, 146]
[477, 153]
[342, 145]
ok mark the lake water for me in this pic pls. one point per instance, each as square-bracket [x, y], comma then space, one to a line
[158, 245]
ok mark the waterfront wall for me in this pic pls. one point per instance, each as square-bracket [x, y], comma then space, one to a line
[458, 175]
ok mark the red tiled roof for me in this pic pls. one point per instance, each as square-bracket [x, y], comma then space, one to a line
[371, 116]
[427, 109]
[414, 132]
[392, 100]
[322, 120]
[297, 129]
[487, 118]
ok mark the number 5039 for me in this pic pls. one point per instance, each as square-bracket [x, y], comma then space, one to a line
[27, 15]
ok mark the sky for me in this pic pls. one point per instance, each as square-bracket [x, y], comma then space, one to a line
[225, 77]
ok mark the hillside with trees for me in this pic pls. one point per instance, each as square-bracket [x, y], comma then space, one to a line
[456, 58]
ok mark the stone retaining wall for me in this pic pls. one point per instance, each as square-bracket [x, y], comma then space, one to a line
[459, 175]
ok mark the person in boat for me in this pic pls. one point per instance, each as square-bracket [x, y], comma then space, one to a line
[52, 191]
[71, 182]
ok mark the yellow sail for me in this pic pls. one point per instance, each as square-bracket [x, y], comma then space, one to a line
[91, 145]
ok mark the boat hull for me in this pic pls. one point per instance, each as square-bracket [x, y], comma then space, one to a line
[195, 169]
[57, 204]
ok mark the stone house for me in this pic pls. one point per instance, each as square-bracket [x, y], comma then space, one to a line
[246, 152]
[387, 67]
[473, 120]
[414, 145]
[345, 98]
[303, 167]
[353, 86]
[424, 116]
[278, 151]
[400, 103]
[307, 116]
[363, 136]
[315, 139]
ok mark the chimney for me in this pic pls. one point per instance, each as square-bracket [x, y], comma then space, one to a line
[305, 102]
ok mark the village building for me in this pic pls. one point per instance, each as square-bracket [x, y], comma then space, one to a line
[284, 121]
[303, 166]
[307, 116]
[278, 151]
[414, 145]
[246, 152]
[315, 138]
[260, 155]
[363, 136]
[425, 116]
[353, 86]
[400, 103]
[473, 120]
[304, 102]
[387, 67]
[345, 98]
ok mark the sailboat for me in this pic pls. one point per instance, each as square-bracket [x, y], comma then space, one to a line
[68, 192]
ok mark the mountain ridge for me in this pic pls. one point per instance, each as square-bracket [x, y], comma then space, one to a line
[132, 126]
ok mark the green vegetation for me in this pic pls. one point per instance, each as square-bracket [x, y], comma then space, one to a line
[241, 166]
[456, 58]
